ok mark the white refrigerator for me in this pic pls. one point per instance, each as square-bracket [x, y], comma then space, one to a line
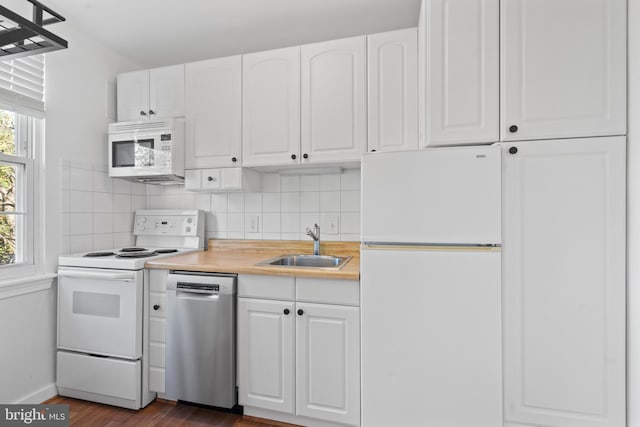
[431, 288]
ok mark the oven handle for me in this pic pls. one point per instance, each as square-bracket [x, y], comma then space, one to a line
[121, 277]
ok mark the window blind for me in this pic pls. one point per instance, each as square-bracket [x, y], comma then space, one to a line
[22, 85]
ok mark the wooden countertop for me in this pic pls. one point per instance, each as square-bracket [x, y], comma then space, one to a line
[241, 256]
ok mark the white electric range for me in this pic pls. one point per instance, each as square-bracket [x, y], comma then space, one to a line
[103, 297]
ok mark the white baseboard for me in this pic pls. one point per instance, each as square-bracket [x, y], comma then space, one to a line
[39, 396]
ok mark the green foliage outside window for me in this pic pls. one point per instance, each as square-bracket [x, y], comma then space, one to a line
[7, 189]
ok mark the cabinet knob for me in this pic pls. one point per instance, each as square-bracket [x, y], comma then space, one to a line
[300, 312]
[286, 311]
[293, 157]
[234, 159]
[373, 151]
[142, 113]
[151, 112]
[156, 307]
[305, 156]
[210, 178]
[513, 128]
[513, 150]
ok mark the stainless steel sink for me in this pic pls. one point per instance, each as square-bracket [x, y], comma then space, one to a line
[311, 261]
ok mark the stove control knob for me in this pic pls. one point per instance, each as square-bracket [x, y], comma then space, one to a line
[188, 229]
[142, 227]
[189, 220]
[143, 219]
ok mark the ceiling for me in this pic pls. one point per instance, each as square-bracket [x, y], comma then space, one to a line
[161, 32]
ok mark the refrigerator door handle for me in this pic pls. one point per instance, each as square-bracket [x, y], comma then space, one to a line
[458, 248]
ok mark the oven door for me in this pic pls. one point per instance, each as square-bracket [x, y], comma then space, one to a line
[100, 311]
[139, 155]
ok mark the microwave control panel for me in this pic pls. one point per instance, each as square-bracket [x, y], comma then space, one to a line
[166, 225]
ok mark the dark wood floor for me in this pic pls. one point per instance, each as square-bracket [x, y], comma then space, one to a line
[158, 413]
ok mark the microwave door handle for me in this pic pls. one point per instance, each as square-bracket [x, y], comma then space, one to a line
[121, 277]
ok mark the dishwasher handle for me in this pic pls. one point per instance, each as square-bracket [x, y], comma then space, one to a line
[198, 288]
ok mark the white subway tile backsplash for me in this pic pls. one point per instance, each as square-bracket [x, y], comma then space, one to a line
[310, 201]
[97, 211]
[80, 243]
[350, 201]
[102, 202]
[286, 206]
[289, 183]
[350, 180]
[235, 222]
[219, 202]
[80, 201]
[329, 201]
[253, 202]
[121, 186]
[310, 183]
[290, 202]
[270, 223]
[102, 223]
[103, 241]
[235, 202]
[122, 203]
[330, 183]
[80, 223]
[270, 183]
[271, 202]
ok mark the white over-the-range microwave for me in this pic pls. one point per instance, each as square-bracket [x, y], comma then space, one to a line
[151, 151]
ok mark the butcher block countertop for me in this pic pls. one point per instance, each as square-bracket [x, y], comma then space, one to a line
[241, 256]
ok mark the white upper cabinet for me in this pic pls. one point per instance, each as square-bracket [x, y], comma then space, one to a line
[213, 113]
[564, 68]
[564, 283]
[392, 90]
[334, 117]
[148, 94]
[271, 107]
[460, 67]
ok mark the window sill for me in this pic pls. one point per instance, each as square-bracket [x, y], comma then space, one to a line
[26, 285]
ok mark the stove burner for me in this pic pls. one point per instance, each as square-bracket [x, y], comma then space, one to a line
[98, 254]
[136, 254]
[166, 251]
[134, 249]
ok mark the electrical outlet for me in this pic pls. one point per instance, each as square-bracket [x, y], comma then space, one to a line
[333, 224]
[254, 224]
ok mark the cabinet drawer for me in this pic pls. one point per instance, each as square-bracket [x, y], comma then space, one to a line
[156, 379]
[157, 330]
[267, 287]
[161, 301]
[328, 291]
[156, 354]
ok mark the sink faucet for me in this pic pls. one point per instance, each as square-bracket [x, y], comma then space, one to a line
[315, 235]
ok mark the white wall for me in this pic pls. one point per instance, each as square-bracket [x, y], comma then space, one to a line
[633, 220]
[76, 81]
[285, 207]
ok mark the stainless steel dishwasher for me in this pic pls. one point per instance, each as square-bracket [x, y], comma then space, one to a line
[201, 338]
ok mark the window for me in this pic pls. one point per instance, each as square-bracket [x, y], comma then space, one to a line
[16, 189]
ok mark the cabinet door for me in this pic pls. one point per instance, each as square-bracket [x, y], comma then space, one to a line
[328, 362]
[266, 354]
[271, 107]
[213, 113]
[334, 116]
[461, 65]
[564, 68]
[564, 283]
[166, 91]
[392, 88]
[133, 96]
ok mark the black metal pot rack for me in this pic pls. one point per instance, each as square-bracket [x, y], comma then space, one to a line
[21, 37]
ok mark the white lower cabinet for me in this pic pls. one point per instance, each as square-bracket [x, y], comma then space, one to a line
[299, 359]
